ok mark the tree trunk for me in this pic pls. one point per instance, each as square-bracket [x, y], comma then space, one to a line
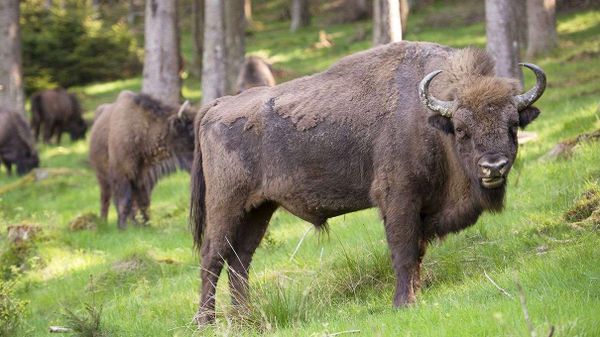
[162, 61]
[47, 4]
[248, 12]
[300, 14]
[234, 39]
[130, 13]
[503, 37]
[541, 27]
[197, 36]
[387, 25]
[11, 78]
[404, 10]
[214, 78]
[521, 23]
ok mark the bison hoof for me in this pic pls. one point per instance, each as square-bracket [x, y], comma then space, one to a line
[203, 319]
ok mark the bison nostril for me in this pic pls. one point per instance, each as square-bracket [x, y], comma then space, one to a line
[494, 166]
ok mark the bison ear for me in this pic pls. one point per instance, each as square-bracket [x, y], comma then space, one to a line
[527, 115]
[441, 123]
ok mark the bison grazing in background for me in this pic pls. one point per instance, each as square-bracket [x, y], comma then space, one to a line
[57, 111]
[256, 72]
[424, 132]
[135, 141]
[16, 143]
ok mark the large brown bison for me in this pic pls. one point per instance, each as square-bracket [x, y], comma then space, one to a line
[424, 132]
[57, 111]
[255, 72]
[16, 143]
[135, 141]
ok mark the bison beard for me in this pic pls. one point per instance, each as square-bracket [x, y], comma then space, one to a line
[375, 130]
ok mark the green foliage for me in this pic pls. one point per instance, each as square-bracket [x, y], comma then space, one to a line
[70, 47]
[16, 258]
[12, 310]
[87, 322]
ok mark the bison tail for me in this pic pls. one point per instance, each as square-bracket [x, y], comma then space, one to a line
[36, 109]
[197, 202]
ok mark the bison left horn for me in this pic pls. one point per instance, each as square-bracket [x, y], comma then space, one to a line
[524, 100]
[183, 107]
[444, 108]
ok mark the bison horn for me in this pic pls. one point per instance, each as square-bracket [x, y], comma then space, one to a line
[183, 106]
[524, 100]
[443, 107]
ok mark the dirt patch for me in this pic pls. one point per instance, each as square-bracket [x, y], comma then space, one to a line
[86, 221]
[586, 209]
[565, 148]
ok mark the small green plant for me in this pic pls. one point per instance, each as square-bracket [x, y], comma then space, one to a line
[11, 310]
[88, 322]
[585, 206]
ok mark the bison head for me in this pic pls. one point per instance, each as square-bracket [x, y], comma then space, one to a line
[77, 128]
[27, 161]
[181, 134]
[483, 119]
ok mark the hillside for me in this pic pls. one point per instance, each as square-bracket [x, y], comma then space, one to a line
[146, 279]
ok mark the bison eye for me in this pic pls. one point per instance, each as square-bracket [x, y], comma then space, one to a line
[459, 130]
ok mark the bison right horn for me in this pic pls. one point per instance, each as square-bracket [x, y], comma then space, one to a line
[524, 100]
[183, 107]
[442, 107]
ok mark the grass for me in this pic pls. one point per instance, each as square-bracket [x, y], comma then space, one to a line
[146, 279]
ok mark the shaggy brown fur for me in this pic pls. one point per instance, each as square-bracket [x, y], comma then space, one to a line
[134, 142]
[352, 137]
[255, 72]
[16, 143]
[57, 111]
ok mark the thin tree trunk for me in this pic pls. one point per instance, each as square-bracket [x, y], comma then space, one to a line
[387, 26]
[541, 27]
[404, 11]
[214, 78]
[234, 39]
[162, 61]
[197, 36]
[48, 4]
[521, 23]
[248, 12]
[300, 14]
[11, 78]
[130, 13]
[503, 37]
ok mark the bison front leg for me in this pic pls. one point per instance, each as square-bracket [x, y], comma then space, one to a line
[122, 195]
[402, 229]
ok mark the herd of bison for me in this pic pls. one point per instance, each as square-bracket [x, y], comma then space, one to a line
[424, 132]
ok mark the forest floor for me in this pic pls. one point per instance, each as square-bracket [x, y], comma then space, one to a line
[146, 279]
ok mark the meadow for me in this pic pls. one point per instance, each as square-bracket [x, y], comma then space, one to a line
[145, 280]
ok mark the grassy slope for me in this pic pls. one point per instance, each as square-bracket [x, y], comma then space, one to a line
[147, 278]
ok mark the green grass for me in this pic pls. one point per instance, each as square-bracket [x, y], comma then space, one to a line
[146, 279]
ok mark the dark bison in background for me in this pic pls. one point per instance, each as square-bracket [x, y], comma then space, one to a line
[134, 142]
[424, 132]
[255, 72]
[16, 143]
[57, 111]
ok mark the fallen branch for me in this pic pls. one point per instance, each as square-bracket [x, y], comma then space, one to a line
[342, 332]
[524, 307]
[496, 285]
[60, 329]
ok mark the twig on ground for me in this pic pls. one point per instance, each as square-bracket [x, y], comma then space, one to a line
[300, 243]
[524, 307]
[342, 332]
[551, 331]
[59, 329]
[496, 285]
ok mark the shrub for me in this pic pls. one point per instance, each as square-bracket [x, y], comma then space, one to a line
[71, 47]
[11, 310]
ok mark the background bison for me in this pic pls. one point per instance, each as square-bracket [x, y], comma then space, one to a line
[255, 72]
[16, 143]
[135, 141]
[57, 111]
[368, 132]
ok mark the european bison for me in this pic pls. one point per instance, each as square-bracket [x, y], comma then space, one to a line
[57, 111]
[255, 72]
[424, 132]
[134, 142]
[16, 143]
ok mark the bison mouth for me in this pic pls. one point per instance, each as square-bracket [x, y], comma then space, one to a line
[492, 182]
